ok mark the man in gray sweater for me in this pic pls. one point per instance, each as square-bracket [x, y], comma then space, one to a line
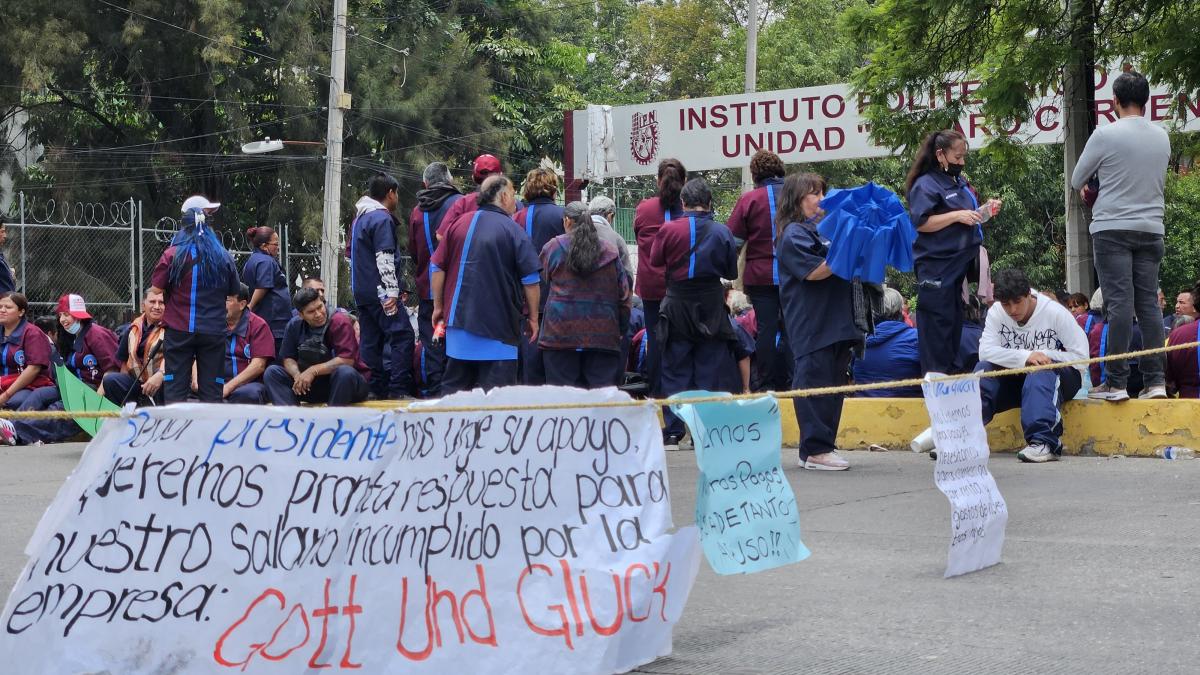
[1129, 157]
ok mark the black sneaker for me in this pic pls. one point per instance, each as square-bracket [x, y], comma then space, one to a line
[933, 454]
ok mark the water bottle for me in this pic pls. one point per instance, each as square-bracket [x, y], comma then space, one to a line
[1176, 452]
[383, 298]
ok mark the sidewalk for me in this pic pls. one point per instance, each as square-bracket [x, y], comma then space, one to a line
[1099, 572]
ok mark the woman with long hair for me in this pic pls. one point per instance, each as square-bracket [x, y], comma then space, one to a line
[948, 218]
[818, 317]
[587, 306]
[195, 275]
[262, 274]
[651, 283]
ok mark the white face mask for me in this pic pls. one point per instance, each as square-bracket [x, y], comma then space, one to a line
[74, 328]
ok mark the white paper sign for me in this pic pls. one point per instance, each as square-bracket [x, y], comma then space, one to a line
[208, 539]
[978, 513]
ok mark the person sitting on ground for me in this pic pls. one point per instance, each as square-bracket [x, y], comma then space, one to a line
[1185, 308]
[968, 345]
[1028, 328]
[1095, 325]
[1078, 304]
[738, 378]
[319, 361]
[891, 352]
[25, 383]
[1183, 365]
[604, 213]
[251, 348]
[141, 355]
[587, 305]
[88, 349]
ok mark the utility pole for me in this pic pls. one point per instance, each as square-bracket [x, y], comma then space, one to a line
[751, 71]
[339, 100]
[1079, 105]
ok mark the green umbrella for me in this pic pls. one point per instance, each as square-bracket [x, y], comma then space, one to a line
[77, 397]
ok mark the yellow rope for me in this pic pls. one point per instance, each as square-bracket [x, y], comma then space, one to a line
[795, 393]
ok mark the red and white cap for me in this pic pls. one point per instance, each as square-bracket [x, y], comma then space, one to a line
[73, 304]
[198, 202]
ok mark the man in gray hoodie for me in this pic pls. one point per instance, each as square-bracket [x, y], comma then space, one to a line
[1129, 158]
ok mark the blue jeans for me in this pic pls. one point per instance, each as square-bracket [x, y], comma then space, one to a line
[1127, 264]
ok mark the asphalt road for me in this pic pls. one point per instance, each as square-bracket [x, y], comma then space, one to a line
[1099, 573]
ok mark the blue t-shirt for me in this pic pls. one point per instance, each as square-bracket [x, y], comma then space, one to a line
[263, 271]
[372, 232]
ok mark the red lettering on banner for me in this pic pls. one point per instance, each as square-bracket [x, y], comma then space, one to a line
[1106, 109]
[564, 629]
[434, 597]
[323, 614]
[219, 651]
[1101, 77]
[719, 118]
[350, 610]
[613, 627]
[976, 121]
[841, 106]
[404, 651]
[1040, 118]
[784, 116]
[968, 88]
[629, 593]
[1160, 105]
[1191, 106]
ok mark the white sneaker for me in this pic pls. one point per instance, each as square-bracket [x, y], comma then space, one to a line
[1154, 391]
[8, 433]
[923, 442]
[828, 461]
[1037, 453]
[1107, 393]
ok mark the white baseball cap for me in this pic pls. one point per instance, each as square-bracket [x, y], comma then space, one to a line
[198, 202]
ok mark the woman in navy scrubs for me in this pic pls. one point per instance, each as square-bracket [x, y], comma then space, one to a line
[947, 215]
[818, 317]
[195, 274]
[269, 297]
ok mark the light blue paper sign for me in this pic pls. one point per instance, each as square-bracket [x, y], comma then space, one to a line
[745, 507]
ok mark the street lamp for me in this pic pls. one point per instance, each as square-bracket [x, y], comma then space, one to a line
[271, 145]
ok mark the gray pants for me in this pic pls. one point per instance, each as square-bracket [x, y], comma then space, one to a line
[1127, 263]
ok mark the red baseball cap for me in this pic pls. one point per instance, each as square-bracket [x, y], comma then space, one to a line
[73, 304]
[486, 165]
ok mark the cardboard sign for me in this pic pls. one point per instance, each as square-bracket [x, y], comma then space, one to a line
[277, 540]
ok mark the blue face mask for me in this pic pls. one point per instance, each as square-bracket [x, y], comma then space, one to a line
[74, 328]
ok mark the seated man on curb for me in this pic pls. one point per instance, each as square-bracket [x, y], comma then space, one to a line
[318, 361]
[1028, 328]
[251, 347]
[141, 356]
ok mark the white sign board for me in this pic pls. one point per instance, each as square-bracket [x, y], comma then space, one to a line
[278, 540]
[810, 124]
[978, 513]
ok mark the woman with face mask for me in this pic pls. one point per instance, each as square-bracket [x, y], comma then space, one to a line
[88, 349]
[948, 218]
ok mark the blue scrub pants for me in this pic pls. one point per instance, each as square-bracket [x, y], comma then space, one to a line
[532, 366]
[766, 374]
[940, 309]
[692, 366]
[584, 368]
[653, 360]
[253, 393]
[392, 377]
[463, 375]
[433, 355]
[1040, 396]
[182, 349]
[43, 431]
[820, 416]
[343, 386]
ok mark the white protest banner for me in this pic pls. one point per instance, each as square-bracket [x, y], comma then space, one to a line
[813, 124]
[978, 513]
[745, 507]
[276, 540]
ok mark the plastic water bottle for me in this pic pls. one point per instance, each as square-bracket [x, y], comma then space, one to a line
[1176, 452]
[383, 297]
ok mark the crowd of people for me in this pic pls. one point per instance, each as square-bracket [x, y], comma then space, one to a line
[515, 288]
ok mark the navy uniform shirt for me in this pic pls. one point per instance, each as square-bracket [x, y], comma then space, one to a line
[936, 193]
[694, 246]
[372, 232]
[263, 271]
[422, 241]
[7, 282]
[816, 314]
[542, 221]
[487, 259]
[190, 308]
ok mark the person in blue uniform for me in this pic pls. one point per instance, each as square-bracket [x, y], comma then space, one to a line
[375, 283]
[24, 358]
[695, 252]
[8, 283]
[319, 362]
[945, 211]
[542, 221]
[433, 202]
[753, 223]
[482, 272]
[818, 318]
[195, 275]
[250, 347]
[269, 297]
[88, 349]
